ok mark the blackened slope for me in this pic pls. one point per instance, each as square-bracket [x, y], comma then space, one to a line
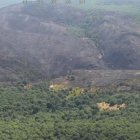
[33, 47]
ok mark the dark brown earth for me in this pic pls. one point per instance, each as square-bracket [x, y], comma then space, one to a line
[36, 42]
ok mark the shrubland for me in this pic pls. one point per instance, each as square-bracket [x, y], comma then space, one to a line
[40, 113]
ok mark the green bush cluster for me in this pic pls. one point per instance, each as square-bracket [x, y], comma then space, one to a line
[41, 114]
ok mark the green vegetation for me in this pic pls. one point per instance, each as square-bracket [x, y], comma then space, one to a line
[41, 113]
[129, 7]
[38, 113]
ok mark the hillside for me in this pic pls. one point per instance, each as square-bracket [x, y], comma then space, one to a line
[70, 71]
[37, 45]
[49, 41]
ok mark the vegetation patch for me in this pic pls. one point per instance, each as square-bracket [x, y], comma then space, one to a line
[39, 113]
[103, 106]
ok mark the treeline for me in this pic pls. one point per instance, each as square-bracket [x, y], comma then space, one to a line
[41, 114]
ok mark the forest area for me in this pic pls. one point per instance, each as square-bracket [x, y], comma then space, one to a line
[38, 113]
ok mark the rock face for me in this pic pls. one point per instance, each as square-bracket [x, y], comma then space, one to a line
[37, 42]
